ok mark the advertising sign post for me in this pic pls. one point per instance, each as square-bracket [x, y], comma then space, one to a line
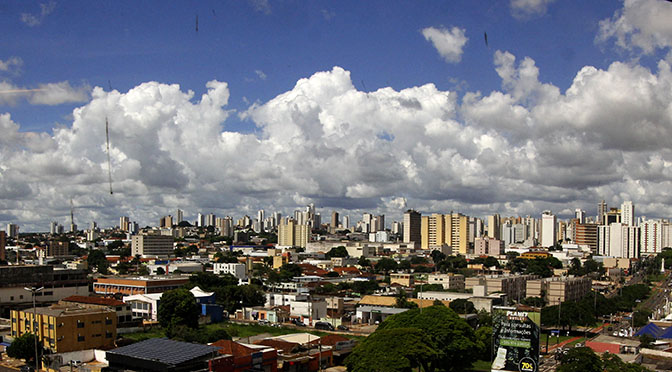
[515, 339]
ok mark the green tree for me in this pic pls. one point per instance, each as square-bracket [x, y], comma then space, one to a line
[484, 338]
[580, 359]
[364, 262]
[462, 306]
[23, 347]
[227, 257]
[208, 281]
[96, 259]
[645, 341]
[575, 267]
[534, 301]
[613, 363]
[449, 335]
[160, 271]
[437, 256]
[403, 302]
[392, 350]
[178, 307]
[640, 317]
[143, 270]
[339, 251]
[233, 297]
[385, 265]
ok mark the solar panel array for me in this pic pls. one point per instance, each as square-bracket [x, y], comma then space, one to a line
[164, 351]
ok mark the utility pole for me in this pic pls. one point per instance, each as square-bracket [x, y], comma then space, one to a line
[35, 328]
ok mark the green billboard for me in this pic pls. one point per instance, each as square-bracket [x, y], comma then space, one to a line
[515, 339]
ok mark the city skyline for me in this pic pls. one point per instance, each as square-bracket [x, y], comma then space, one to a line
[484, 107]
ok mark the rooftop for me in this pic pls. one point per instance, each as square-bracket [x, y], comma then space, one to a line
[164, 351]
[94, 300]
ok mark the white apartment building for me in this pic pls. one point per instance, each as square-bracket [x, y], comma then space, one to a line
[548, 229]
[238, 270]
[448, 281]
[618, 240]
[628, 213]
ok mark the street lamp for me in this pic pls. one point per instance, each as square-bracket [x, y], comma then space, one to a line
[33, 292]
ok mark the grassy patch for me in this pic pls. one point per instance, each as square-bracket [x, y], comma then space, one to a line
[552, 340]
[581, 340]
[141, 336]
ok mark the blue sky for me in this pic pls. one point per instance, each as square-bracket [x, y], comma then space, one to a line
[261, 49]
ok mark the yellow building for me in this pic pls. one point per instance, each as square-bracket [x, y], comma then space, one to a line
[64, 328]
[445, 229]
[292, 234]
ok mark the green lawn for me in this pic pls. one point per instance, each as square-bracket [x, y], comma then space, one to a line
[552, 340]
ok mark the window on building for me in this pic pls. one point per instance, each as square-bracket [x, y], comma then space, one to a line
[80, 324]
[108, 321]
[80, 338]
[108, 334]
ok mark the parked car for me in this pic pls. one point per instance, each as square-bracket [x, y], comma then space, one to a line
[298, 323]
[342, 328]
[324, 326]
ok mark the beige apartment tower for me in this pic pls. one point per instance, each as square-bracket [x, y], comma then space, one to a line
[445, 229]
[292, 234]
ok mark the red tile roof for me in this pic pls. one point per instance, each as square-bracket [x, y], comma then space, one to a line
[331, 340]
[94, 300]
[233, 348]
[279, 345]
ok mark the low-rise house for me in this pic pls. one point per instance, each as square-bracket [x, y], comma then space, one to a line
[249, 357]
[146, 306]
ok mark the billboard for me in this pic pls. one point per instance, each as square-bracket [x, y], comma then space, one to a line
[515, 339]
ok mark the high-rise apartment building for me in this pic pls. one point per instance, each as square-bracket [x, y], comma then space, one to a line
[586, 234]
[580, 215]
[412, 222]
[548, 229]
[53, 228]
[334, 220]
[123, 223]
[618, 240]
[601, 211]
[152, 245]
[628, 213]
[179, 216]
[651, 237]
[12, 230]
[292, 234]
[346, 222]
[166, 222]
[225, 226]
[449, 229]
[210, 219]
[379, 223]
[494, 223]
[200, 220]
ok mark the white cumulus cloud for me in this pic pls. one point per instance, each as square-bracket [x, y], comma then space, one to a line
[528, 8]
[448, 43]
[519, 150]
[643, 24]
[33, 20]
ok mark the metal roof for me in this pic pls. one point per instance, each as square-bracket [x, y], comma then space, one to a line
[162, 350]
